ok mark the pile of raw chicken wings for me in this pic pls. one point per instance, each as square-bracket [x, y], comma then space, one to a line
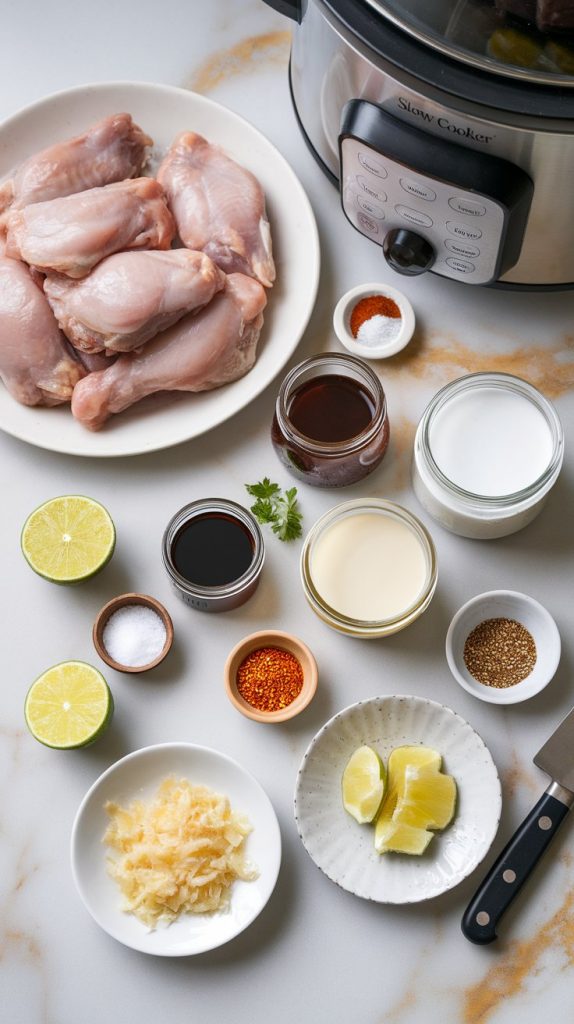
[115, 285]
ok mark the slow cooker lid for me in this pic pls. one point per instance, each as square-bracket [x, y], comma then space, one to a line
[532, 40]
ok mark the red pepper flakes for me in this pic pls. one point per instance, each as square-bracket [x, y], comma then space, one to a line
[372, 305]
[269, 678]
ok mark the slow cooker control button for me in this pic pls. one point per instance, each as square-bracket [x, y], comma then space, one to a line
[374, 193]
[468, 207]
[463, 230]
[461, 266]
[371, 165]
[408, 253]
[418, 190]
[371, 208]
[464, 249]
[367, 224]
[414, 216]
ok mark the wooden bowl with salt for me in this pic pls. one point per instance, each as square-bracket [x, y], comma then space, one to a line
[134, 631]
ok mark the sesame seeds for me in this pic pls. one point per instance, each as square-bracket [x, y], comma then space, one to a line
[499, 652]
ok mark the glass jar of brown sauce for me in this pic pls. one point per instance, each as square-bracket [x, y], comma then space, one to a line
[331, 426]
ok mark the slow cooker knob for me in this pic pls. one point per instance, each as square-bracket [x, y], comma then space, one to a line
[408, 253]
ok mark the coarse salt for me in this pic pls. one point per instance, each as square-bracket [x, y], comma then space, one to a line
[379, 330]
[134, 635]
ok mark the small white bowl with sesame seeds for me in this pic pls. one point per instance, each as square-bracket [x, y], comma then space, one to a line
[501, 652]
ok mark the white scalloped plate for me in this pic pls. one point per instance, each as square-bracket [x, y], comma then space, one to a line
[344, 850]
[163, 110]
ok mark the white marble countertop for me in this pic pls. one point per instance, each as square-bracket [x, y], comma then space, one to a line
[316, 953]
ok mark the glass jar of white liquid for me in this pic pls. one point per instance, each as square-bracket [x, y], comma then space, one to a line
[488, 450]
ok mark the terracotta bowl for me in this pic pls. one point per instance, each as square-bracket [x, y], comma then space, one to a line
[121, 602]
[286, 642]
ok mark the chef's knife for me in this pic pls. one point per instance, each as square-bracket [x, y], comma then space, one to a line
[529, 842]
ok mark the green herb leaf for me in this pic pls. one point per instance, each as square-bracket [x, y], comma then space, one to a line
[264, 489]
[287, 523]
[280, 511]
[263, 511]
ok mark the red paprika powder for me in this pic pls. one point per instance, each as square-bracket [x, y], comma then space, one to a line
[372, 305]
[270, 678]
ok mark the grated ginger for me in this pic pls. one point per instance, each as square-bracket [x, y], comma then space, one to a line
[178, 854]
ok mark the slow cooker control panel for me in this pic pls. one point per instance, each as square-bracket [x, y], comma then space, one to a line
[430, 203]
[464, 229]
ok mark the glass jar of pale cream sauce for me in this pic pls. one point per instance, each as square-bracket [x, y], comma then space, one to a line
[368, 568]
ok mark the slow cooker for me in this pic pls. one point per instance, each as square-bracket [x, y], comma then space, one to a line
[449, 129]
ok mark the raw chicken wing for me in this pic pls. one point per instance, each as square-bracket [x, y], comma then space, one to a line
[70, 235]
[111, 150]
[131, 296]
[219, 207]
[92, 361]
[201, 352]
[36, 364]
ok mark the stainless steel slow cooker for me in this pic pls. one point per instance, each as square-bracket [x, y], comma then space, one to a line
[449, 127]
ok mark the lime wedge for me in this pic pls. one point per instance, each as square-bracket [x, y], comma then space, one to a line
[419, 797]
[68, 539]
[400, 760]
[392, 836]
[363, 785]
[68, 706]
[428, 799]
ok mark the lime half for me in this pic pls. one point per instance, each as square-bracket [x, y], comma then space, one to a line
[68, 706]
[363, 785]
[68, 539]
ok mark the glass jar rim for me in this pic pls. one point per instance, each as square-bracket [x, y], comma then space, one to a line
[503, 381]
[332, 448]
[364, 627]
[202, 507]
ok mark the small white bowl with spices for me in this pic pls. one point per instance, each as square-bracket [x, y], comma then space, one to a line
[374, 321]
[503, 647]
[133, 633]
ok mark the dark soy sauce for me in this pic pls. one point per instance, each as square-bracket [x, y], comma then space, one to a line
[331, 408]
[213, 549]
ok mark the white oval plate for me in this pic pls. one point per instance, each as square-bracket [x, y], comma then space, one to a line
[163, 111]
[138, 776]
[344, 850]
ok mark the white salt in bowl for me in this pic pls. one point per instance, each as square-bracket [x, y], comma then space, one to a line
[505, 604]
[124, 601]
[342, 318]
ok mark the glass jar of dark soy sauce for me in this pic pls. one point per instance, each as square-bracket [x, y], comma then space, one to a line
[331, 426]
[213, 554]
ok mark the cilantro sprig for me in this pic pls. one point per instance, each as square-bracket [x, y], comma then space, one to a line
[280, 510]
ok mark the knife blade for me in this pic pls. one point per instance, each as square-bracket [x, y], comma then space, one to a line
[556, 757]
[530, 841]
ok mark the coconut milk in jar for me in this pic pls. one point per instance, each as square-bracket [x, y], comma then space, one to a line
[488, 450]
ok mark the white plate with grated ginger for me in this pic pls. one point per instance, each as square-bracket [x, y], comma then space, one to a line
[175, 849]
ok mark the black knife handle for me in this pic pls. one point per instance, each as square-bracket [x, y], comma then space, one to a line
[516, 862]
